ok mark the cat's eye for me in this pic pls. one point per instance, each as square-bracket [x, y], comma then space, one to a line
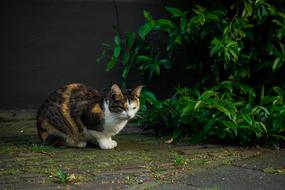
[121, 108]
[134, 108]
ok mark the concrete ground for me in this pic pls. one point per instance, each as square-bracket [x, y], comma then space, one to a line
[139, 162]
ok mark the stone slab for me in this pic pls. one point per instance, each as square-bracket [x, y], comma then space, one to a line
[14, 115]
[273, 159]
[236, 178]
[175, 187]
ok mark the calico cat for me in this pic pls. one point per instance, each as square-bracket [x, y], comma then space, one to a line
[76, 114]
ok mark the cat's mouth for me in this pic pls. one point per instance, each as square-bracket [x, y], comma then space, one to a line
[125, 117]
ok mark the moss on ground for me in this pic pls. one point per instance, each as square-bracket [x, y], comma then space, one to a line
[138, 160]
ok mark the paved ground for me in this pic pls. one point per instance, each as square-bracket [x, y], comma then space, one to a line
[139, 162]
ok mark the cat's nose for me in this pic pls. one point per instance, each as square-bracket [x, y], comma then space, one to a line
[129, 116]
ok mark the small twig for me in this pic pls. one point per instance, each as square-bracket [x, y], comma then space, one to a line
[237, 11]
[47, 153]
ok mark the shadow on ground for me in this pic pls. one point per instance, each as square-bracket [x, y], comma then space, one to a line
[139, 162]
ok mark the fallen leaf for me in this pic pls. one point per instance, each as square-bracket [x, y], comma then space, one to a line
[169, 141]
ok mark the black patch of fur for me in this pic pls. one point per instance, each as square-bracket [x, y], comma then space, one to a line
[50, 110]
[54, 140]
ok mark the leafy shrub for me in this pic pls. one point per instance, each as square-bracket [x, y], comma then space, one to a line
[229, 111]
[239, 51]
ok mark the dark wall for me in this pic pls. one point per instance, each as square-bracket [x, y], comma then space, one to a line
[45, 44]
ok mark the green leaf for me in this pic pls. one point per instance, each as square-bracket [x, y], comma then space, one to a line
[227, 56]
[214, 15]
[281, 14]
[165, 23]
[229, 124]
[234, 54]
[267, 100]
[156, 68]
[262, 126]
[258, 2]
[126, 72]
[198, 20]
[247, 118]
[165, 63]
[147, 15]
[279, 91]
[279, 136]
[62, 176]
[137, 49]
[117, 40]
[223, 109]
[143, 58]
[178, 39]
[183, 23]
[277, 63]
[247, 11]
[246, 89]
[111, 64]
[227, 85]
[211, 16]
[231, 127]
[282, 50]
[261, 12]
[281, 33]
[216, 46]
[198, 104]
[207, 94]
[126, 58]
[257, 109]
[188, 108]
[117, 51]
[145, 66]
[199, 10]
[231, 43]
[174, 11]
[131, 36]
[145, 29]
[151, 98]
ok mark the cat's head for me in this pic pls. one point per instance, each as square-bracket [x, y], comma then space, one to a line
[124, 105]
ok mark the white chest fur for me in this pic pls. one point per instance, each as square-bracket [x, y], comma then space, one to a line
[112, 124]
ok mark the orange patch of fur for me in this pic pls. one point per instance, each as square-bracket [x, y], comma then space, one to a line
[72, 86]
[96, 109]
[49, 129]
[136, 102]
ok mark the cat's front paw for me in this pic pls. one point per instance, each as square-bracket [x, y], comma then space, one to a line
[110, 144]
[114, 143]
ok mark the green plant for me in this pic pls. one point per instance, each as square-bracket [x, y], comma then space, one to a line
[44, 149]
[41, 148]
[238, 64]
[234, 36]
[180, 160]
[229, 111]
[65, 178]
[61, 176]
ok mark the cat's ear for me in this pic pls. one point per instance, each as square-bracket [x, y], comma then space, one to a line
[116, 91]
[137, 90]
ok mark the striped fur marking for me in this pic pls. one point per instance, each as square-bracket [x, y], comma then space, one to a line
[65, 108]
